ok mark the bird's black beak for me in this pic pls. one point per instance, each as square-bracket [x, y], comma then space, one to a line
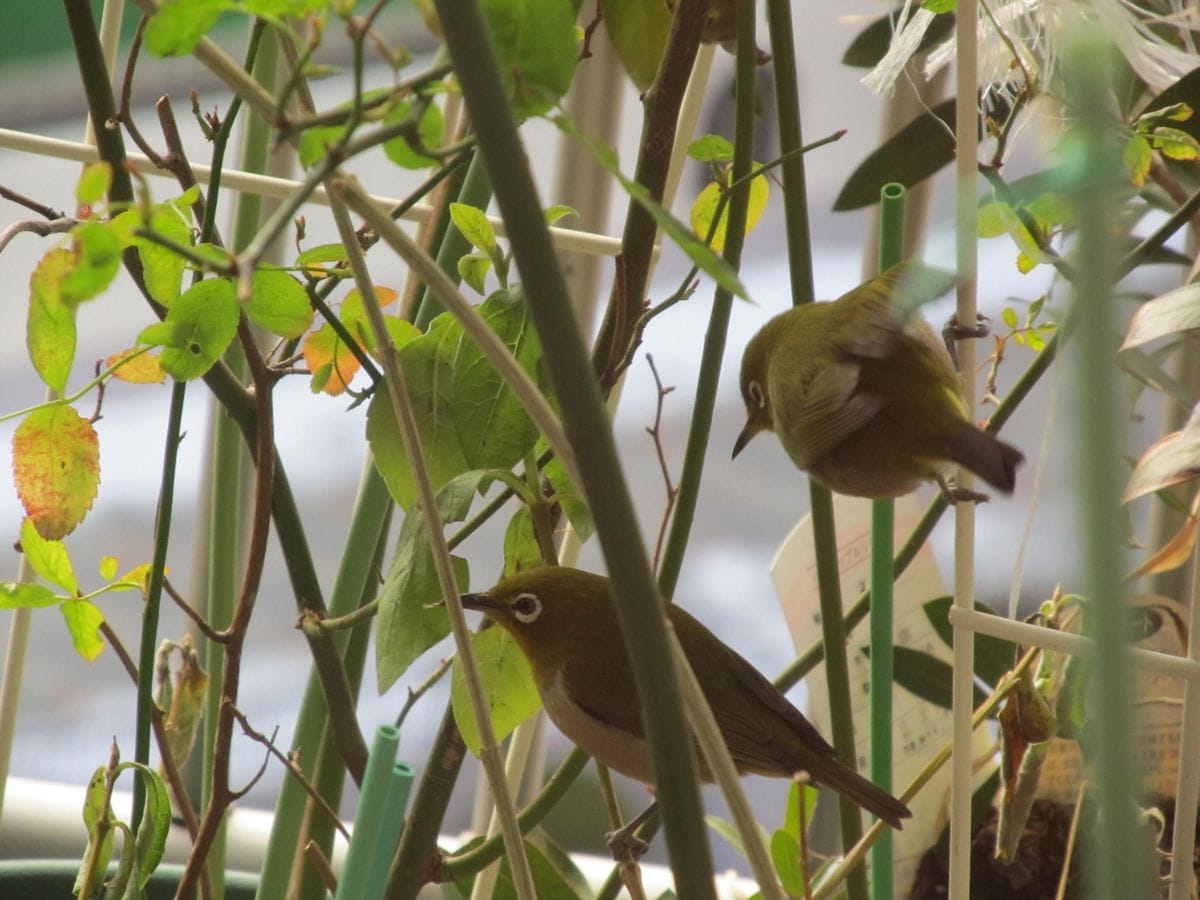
[481, 602]
[749, 430]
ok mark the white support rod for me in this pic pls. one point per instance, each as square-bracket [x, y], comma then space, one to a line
[278, 188]
[1187, 788]
[1067, 642]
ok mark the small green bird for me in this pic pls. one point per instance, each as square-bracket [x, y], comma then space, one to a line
[565, 622]
[865, 401]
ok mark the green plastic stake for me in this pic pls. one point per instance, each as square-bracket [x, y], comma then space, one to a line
[891, 251]
[372, 808]
[394, 809]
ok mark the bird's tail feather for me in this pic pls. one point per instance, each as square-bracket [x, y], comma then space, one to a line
[875, 800]
[987, 456]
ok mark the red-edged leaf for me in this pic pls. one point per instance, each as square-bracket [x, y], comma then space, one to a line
[56, 468]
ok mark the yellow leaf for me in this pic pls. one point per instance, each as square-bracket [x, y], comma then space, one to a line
[137, 367]
[56, 467]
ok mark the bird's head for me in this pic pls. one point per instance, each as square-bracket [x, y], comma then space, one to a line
[754, 389]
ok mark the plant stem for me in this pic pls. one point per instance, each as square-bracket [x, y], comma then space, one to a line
[590, 433]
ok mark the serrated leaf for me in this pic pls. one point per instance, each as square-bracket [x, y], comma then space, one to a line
[1174, 311]
[48, 558]
[697, 251]
[428, 371]
[638, 31]
[1175, 143]
[407, 624]
[50, 321]
[93, 183]
[205, 318]
[429, 128]
[56, 468]
[492, 427]
[511, 694]
[162, 268]
[918, 150]
[96, 254]
[711, 148]
[24, 595]
[330, 360]
[1184, 91]
[705, 209]
[473, 269]
[475, 227]
[279, 303]
[83, 620]
[136, 366]
[177, 27]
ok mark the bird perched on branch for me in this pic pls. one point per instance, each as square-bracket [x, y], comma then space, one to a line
[565, 622]
[863, 394]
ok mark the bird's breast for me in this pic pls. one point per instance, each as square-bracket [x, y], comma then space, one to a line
[614, 747]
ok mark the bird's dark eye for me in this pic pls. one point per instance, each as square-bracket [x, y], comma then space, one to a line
[754, 389]
[526, 608]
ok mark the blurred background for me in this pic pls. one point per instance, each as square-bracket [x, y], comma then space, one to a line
[70, 708]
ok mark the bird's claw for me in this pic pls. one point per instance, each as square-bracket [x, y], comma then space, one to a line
[952, 333]
[955, 494]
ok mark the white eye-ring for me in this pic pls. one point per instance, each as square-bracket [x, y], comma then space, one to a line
[754, 389]
[526, 608]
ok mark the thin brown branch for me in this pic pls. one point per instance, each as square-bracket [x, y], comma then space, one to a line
[36, 226]
[655, 432]
[315, 858]
[41, 209]
[198, 620]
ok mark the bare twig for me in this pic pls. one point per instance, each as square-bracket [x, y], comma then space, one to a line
[34, 206]
[198, 620]
[655, 432]
[415, 694]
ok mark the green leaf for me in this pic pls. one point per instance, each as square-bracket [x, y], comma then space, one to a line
[638, 31]
[50, 321]
[279, 304]
[93, 184]
[205, 319]
[162, 267]
[1175, 143]
[511, 695]
[937, 7]
[48, 558]
[108, 567]
[151, 837]
[315, 143]
[310, 259]
[785, 857]
[493, 429]
[96, 809]
[429, 128]
[697, 251]
[1185, 91]
[83, 620]
[559, 211]
[711, 148]
[536, 49]
[1009, 316]
[910, 156]
[555, 876]
[994, 656]
[26, 595]
[994, 219]
[473, 269]
[428, 369]
[475, 227]
[97, 253]
[565, 494]
[925, 676]
[521, 550]
[1137, 158]
[178, 26]
[407, 624]
[800, 796]
[705, 209]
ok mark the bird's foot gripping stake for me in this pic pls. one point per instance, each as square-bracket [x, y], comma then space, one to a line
[625, 845]
[952, 333]
[955, 494]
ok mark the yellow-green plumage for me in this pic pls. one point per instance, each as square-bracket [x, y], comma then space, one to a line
[863, 395]
[565, 622]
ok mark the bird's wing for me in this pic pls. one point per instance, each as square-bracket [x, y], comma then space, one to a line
[617, 704]
[764, 732]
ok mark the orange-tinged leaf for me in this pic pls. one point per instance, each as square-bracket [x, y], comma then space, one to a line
[83, 622]
[137, 366]
[324, 348]
[137, 578]
[56, 468]
[1173, 554]
[50, 324]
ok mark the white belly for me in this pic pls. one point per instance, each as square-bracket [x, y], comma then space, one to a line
[617, 749]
